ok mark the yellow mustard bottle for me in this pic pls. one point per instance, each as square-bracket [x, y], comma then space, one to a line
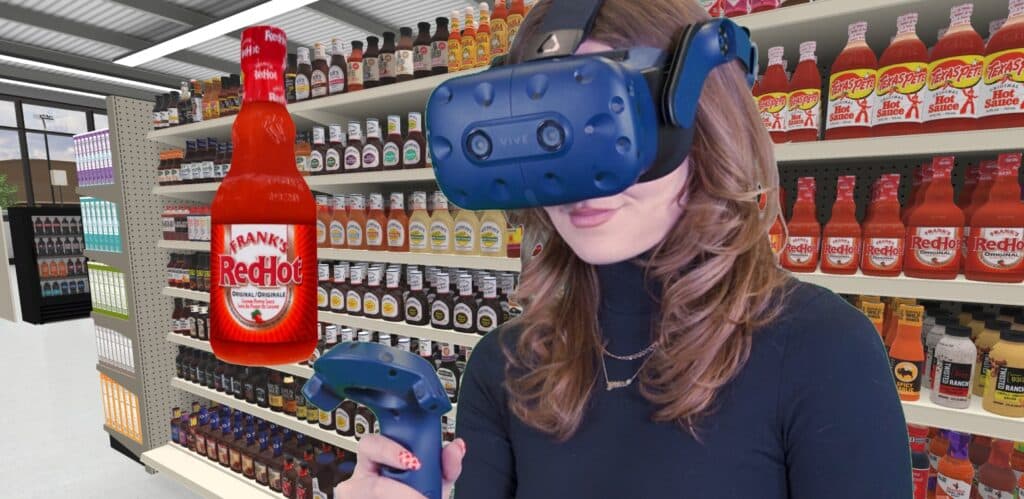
[1004, 388]
[466, 230]
[419, 223]
[986, 340]
[493, 228]
[441, 225]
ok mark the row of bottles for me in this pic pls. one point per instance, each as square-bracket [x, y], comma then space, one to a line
[56, 225]
[198, 101]
[203, 160]
[59, 246]
[55, 268]
[285, 461]
[100, 225]
[329, 150]
[186, 223]
[953, 464]
[932, 236]
[735, 8]
[93, 161]
[189, 271]
[107, 288]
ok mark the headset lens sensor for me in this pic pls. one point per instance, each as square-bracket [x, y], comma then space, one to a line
[551, 136]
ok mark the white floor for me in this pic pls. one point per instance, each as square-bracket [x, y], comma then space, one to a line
[52, 442]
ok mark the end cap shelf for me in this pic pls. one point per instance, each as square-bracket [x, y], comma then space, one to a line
[202, 476]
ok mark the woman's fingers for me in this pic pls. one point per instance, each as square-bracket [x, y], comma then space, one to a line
[375, 487]
[451, 459]
[375, 450]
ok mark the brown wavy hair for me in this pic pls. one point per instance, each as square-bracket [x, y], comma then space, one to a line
[720, 280]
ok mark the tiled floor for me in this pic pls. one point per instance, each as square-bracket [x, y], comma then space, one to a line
[52, 442]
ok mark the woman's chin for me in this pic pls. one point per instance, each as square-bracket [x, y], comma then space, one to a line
[606, 254]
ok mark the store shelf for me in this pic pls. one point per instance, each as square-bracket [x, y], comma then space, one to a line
[202, 192]
[279, 418]
[334, 184]
[118, 261]
[293, 369]
[470, 262]
[923, 145]
[973, 420]
[119, 324]
[186, 293]
[202, 476]
[959, 289]
[109, 192]
[123, 378]
[400, 328]
[135, 447]
[184, 245]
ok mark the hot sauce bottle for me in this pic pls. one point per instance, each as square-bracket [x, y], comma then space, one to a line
[388, 64]
[356, 221]
[906, 354]
[371, 63]
[884, 232]
[371, 150]
[415, 306]
[995, 250]
[901, 82]
[355, 67]
[469, 41]
[318, 79]
[840, 252]
[454, 45]
[391, 153]
[339, 223]
[442, 225]
[995, 478]
[801, 253]
[376, 222]
[1004, 73]
[734, 8]
[415, 142]
[264, 238]
[852, 88]
[955, 471]
[934, 229]
[483, 37]
[353, 157]
[439, 47]
[803, 102]
[337, 73]
[771, 101]
[421, 51]
[516, 13]
[419, 224]
[405, 66]
[954, 75]
[397, 224]
[334, 151]
[499, 29]
[303, 75]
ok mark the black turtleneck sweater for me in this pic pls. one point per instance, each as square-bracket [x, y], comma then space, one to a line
[813, 414]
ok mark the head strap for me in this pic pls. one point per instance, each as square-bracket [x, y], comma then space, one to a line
[563, 28]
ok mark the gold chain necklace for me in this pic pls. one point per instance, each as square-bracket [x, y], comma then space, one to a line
[616, 384]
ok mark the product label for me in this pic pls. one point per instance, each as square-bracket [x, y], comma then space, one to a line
[374, 234]
[389, 307]
[335, 80]
[841, 252]
[953, 380]
[920, 478]
[332, 161]
[439, 54]
[1004, 83]
[801, 250]
[772, 107]
[469, 54]
[355, 73]
[413, 309]
[851, 96]
[396, 234]
[1009, 385]
[318, 83]
[316, 162]
[418, 240]
[391, 154]
[355, 234]
[882, 253]
[371, 156]
[900, 93]
[411, 154]
[988, 492]
[933, 247]
[907, 375]
[439, 313]
[362, 426]
[353, 302]
[462, 316]
[371, 69]
[371, 304]
[486, 319]
[952, 85]
[325, 418]
[440, 237]
[449, 381]
[803, 109]
[404, 64]
[499, 37]
[337, 299]
[952, 488]
[344, 424]
[483, 49]
[454, 55]
[1000, 249]
[301, 87]
[514, 21]
[421, 58]
[353, 159]
[387, 65]
[337, 233]
[464, 237]
[321, 297]
[301, 163]
[491, 238]
[259, 275]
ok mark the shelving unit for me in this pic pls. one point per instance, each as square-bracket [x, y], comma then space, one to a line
[907, 146]
[188, 294]
[333, 184]
[184, 245]
[202, 476]
[959, 289]
[111, 192]
[293, 369]
[973, 420]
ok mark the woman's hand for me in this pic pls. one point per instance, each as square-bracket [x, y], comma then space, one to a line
[376, 451]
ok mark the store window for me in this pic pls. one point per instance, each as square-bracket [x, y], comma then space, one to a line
[99, 121]
[11, 169]
[63, 120]
[61, 157]
[7, 116]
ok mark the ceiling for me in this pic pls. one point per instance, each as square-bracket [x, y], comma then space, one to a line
[89, 35]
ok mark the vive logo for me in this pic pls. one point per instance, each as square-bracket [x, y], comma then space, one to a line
[551, 44]
[514, 140]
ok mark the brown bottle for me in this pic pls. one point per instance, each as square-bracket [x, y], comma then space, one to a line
[335, 149]
[439, 47]
[318, 76]
[337, 72]
[365, 422]
[392, 151]
[354, 293]
[274, 395]
[289, 477]
[263, 458]
[449, 373]
[372, 293]
[463, 317]
[489, 313]
[388, 63]
[355, 67]
[391, 301]
[372, 148]
[441, 307]
[303, 75]
[289, 395]
[421, 61]
[416, 306]
[304, 483]
[289, 78]
[318, 151]
[353, 157]
[404, 56]
[249, 452]
[275, 466]
[371, 62]
[339, 291]
[415, 142]
[235, 448]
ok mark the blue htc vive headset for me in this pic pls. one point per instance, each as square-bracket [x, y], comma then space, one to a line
[560, 128]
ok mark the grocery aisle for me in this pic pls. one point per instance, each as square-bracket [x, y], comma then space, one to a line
[49, 437]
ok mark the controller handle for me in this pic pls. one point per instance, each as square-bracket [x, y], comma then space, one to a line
[401, 389]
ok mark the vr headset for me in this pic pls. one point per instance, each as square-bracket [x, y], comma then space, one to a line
[559, 128]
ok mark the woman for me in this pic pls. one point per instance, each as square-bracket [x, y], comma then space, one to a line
[662, 352]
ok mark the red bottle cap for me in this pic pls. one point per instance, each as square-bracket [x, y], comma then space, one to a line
[264, 52]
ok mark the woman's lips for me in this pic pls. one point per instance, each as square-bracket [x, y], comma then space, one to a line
[587, 218]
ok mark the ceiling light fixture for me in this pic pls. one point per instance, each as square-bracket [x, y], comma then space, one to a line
[248, 17]
[124, 82]
[49, 88]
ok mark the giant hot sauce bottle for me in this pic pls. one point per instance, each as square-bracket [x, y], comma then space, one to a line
[263, 248]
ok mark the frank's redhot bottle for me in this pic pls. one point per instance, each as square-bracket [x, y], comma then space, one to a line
[263, 283]
[979, 196]
[771, 102]
[803, 103]
[954, 75]
[995, 249]
[735, 8]
[935, 228]
[851, 94]
[801, 253]
[899, 107]
[884, 233]
[841, 240]
[1003, 93]
[777, 233]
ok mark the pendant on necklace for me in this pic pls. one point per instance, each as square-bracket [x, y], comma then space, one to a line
[614, 385]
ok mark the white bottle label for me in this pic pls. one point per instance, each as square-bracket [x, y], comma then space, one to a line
[389, 307]
[1000, 247]
[404, 62]
[882, 252]
[316, 162]
[840, 251]
[256, 301]
[465, 237]
[374, 234]
[355, 233]
[987, 492]
[448, 381]
[851, 97]
[440, 313]
[353, 302]
[391, 154]
[901, 93]
[462, 316]
[341, 420]
[486, 319]
[362, 426]
[413, 309]
[335, 80]
[800, 250]
[396, 234]
[955, 489]
[371, 69]
[440, 237]
[954, 86]
[419, 239]
[355, 73]
[371, 304]
[387, 65]
[411, 155]
[352, 158]
[491, 238]
[301, 87]
[337, 233]
[1004, 83]
[318, 83]
[371, 156]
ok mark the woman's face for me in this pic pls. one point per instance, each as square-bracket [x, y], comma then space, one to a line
[617, 228]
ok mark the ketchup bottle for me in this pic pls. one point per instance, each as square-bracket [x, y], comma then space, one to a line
[771, 102]
[1004, 73]
[840, 250]
[264, 225]
[995, 250]
[884, 232]
[801, 253]
[954, 75]
[803, 103]
[935, 228]
[851, 86]
[901, 82]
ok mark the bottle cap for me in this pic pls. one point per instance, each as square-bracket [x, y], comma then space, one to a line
[996, 324]
[958, 331]
[264, 51]
[1012, 335]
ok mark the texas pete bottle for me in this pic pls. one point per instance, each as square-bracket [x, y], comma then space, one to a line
[851, 94]
[771, 102]
[902, 80]
[263, 247]
[954, 75]
[1004, 73]
[803, 103]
